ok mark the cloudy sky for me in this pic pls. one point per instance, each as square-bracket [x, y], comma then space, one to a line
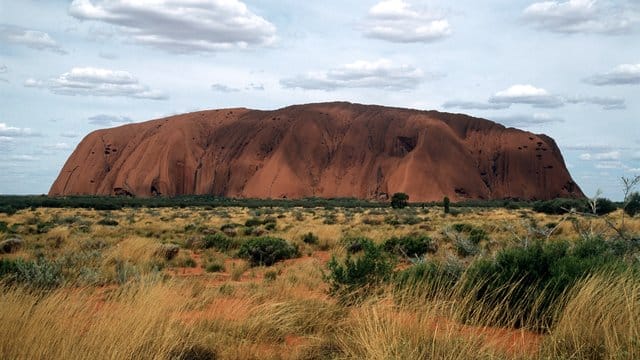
[570, 69]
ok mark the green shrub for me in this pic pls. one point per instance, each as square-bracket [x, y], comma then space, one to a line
[3, 227]
[560, 206]
[358, 275]
[526, 282]
[215, 267]
[253, 222]
[429, 278]
[219, 242]
[356, 244]
[310, 238]
[465, 247]
[605, 206]
[399, 200]
[267, 251]
[40, 274]
[108, 222]
[633, 204]
[446, 203]
[410, 245]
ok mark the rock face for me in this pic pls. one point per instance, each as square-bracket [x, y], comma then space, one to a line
[321, 150]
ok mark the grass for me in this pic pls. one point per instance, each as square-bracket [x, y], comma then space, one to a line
[120, 296]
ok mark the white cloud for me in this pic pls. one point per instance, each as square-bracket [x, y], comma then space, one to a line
[181, 25]
[527, 120]
[473, 105]
[581, 16]
[97, 82]
[607, 103]
[383, 74]
[30, 38]
[611, 155]
[57, 146]
[603, 156]
[69, 134]
[537, 97]
[223, 88]
[526, 94]
[11, 131]
[610, 165]
[625, 74]
[109, 120]
[22, 158]
[398, 21]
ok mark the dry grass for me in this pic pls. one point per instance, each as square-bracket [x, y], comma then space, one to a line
[122, 300]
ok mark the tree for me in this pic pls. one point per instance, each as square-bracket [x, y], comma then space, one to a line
[399, 200]
[628, 184]
[633, 204]
[446, 202]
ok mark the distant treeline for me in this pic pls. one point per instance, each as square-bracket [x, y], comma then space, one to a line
[12, 203]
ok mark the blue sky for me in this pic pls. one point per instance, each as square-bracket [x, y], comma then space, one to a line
[569, 69]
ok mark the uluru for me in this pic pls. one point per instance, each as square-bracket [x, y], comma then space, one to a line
[324, 150]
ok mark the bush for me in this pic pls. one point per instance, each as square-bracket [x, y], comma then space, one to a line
[218, 241]
[10, 245]
[560, 206]
[358, 275]
[446, 203]
[215, 267]
[464, 247]
[411, 245]
[605, 206]
[108, 222]
[167, 251]
[357, 244]
[40, 274]
[267, 251]
[430, 277]
[310, 238]
[399, 200]
[526, 282]
[633, 204]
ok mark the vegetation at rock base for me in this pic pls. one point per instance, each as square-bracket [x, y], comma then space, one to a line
[372, 282]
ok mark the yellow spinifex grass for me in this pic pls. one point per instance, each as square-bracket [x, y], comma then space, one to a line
[601, 320]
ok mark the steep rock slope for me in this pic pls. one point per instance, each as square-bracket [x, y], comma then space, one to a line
[322, 150]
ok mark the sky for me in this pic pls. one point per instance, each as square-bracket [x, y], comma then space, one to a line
[568, 69]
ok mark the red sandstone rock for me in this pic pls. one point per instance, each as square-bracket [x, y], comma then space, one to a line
[321, 150]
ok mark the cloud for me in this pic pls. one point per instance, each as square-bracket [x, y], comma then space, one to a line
[109, 120]
[397, 21]
[527, 120]
[223, 88]
[607, 103]
[381, 74]
[22, 158]
[97, 82]
[473, 105]
[603, 156]
[30, 38]
[181, 25]
[11, 132]
[625, 74]
[581, 16]
[526, 94]
[610, 165]
[57, 146]
[536, 97]
[69, 134]
[3, 69]
[108, 56]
